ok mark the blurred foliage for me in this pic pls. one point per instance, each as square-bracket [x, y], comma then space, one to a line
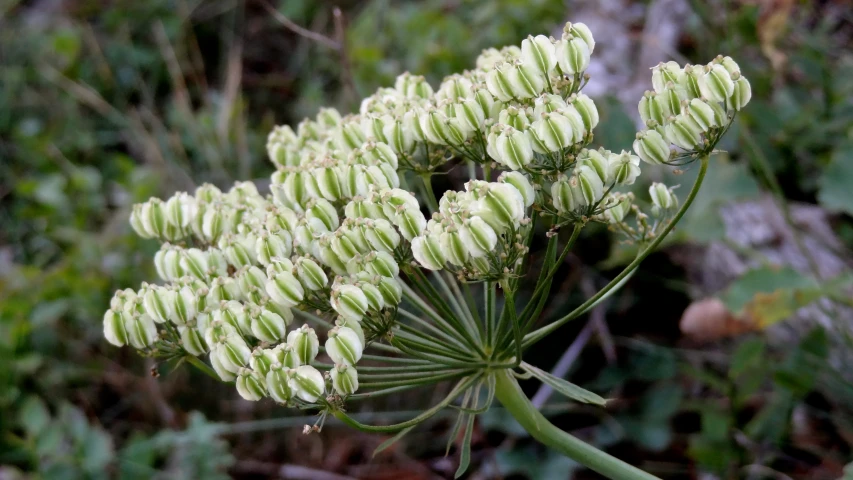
[104, 104]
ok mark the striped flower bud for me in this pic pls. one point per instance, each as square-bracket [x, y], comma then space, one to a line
[115, 328]
[185, 306]
[153, 217]
[665, 73]
[510, 147]
[216, 362]
[307, 383]
[375, 301]
[267, 326]
[381, 263]
[718, 84]
[566, 197]
[694, 81]
[349, 301]
[651, 147]
[399, 137]
[522, 184]
[573, 55]
[158, 302]
[328, 183]
[502, 207]
[587, 110]
[590, 184]
[516, 118]
[250, 280]
[262, 360]
[251, 385]
[305, 344]
[271, 245]
[624, 168]
[579, 29]
[286, 355]
[662, 198]
[741, 95]
[654, 108]
[167, 262]
[427, 251]
[546, 103]
[618, 209]
[499, 82]
[684, 132]
[596, 160]
[411, 223]
[526, 81]
[284, 289]
[344, 379]
[180, 210]
[391, 291]
[553, 132]
[136, 222]
[194, 262]
[234, 313]
[344, 346]
[478, 237]
[470, 115]
[325, 212]
[310, 274]
[453, 248]
[702, 113]
[382, 236]
[278, 383]
[192, 340]
[141, 330]
[540, 53]
[213, 223]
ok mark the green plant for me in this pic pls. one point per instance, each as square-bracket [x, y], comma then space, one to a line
[333, 241]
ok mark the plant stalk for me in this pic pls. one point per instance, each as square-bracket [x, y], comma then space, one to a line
[509, 393]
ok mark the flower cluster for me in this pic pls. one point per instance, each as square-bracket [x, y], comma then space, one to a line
[330, 242]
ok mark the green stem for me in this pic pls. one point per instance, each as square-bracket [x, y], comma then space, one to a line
[509, 393]
[539, 334]
[432, 202]
[194, 361]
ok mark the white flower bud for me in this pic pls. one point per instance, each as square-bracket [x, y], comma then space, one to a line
[624, 168]
[617, 212]
[180, 210]
[284, 289]
[141, 330]
[278, 383]
[741, 95]
[702, 114]
[251, 280]
[579, 29]
[213, 223]
[553, 131]
[694, 81]
[192, 340]
[540, 53]
[666, 73]
[251, 385]
[565, 196]
[344, 379]
[587, 110]
[194, 262]
[383, 264]
[478, 237]
[391, 291]
[654, 107]
[411, 223]
[427, 251]
[382, 236]
[267, 326]
[590, 184]
[136, 222]
[573, 54]
[349, 301]
[304, 343]
[526, 81]
[167, 262]
[375, 300]
[662, 198]
[269, 246]
[310, 274]
[684, 132]
[307, 383]
[325, 212]
[718, 85]
[502, 207]
[115, 330]
[153, 217]
[596, 160]
[510, 147]
[232, 352]
[262, 360]
[399, 137]
[234, 313]
[344, 346]
[216, 363]
[158, 302]
[651, 147]
[453, 248]
[522, 184]
[499, 83]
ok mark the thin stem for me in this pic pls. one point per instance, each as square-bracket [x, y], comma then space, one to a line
[509, 307]
[537, 335]
[462, 303]
[455, 299]
[489, 295]
[194, 361]
[432, 202]
[509, 393]
[429, 326]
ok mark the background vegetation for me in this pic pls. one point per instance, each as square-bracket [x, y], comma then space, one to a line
[103, 104]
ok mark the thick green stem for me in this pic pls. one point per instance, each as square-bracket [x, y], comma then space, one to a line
[509, 393]
[539, 334]
[432, 201]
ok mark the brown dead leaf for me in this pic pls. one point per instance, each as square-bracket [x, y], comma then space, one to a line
[708, 320]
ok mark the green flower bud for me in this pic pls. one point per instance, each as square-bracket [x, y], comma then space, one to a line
[284, 289]
[478, 237]
[412, 124]
[348, 136]
[158, 302]
[590, 184]
[651, 147]
[666, 73]
[331, 259]
[216, 363]
[741, 94]
[587, 110]
[453, 248]
[654, 107]
[399, 137]
[278, 384]
[153, 217]
[413, 86]
[141, 330]
[349, 301]
[136, 222]
[517, 118]
[344, 346]
[237, 252]
[539, 52]
[251, 278]
[344, 379]
[546, 103]
[718, 85]
[286, 355]
[702, 114]
[618, 210]
[427, 251]
[328, 117]
[510, 147]
[684, 132]
[262, 360]
[192, 340]
[694, 81]
[223, 288]
[194, 262]
[267, 326]
[579, 29]
[307, 383]
[526, 81]
[325, 212]
[573, 55]
[328, 183]
[502, 207]
[470, 115]
[375, 300]
[624, 168]
[167, 262]
[269, 246]
[213, 224]
[411, 223]
[251, 385]
[662, 197]
[234, 313]
[597, 161]
[522, 184]
[180, 210]
[381, 236]
[305, 344]
[382, 263]
[554, 132]
[115, 330]
[565, 196]
[310, 274]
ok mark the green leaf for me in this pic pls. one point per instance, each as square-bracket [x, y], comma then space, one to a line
[465, 453]
[559, 385]
[747, 356]
[834, 192]
[34, 416]
[391, 441]
[762, 280]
